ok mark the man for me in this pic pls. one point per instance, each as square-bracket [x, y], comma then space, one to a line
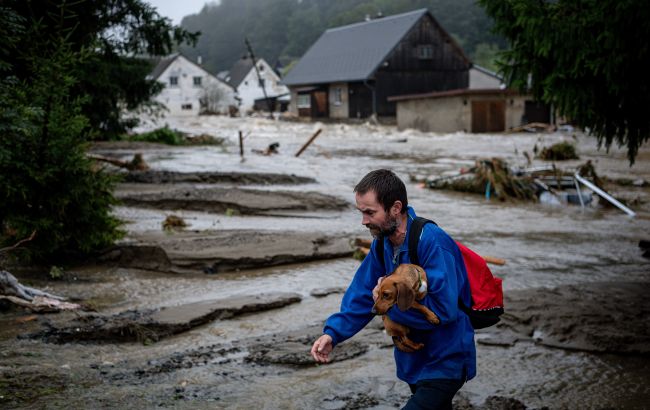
[436, 372]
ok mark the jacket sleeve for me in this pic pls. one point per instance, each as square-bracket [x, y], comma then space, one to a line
[356, 306]
[442, 297]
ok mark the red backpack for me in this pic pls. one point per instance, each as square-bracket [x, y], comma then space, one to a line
[486, 289]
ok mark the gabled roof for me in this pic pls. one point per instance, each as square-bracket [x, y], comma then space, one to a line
[165, 62]
[352, 52]
[162, 65]
[239, 70]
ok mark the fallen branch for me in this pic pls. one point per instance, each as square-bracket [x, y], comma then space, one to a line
[304, 147]
[17, 244]
[33, 299]
[136, 164]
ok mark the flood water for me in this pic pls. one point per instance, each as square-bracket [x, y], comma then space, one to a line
[545, 246]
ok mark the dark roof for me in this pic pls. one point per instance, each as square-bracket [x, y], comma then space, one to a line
[454, 93]
[162, 65]
[352, 52]
[239, 70]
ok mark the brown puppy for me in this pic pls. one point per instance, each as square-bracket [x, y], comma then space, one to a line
[403, 287]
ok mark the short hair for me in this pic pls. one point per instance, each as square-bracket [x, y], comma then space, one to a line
[386, 185]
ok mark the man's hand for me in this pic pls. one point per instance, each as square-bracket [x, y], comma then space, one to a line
[322, 348]
[375, 291]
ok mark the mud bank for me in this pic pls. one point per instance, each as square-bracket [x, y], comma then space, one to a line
[222, 200]
[223, 251]
[241, 178]
[150, 326]
[601, 317]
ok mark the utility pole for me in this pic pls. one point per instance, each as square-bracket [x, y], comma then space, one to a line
[259, 78]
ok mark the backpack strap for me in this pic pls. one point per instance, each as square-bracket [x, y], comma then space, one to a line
[414, 237]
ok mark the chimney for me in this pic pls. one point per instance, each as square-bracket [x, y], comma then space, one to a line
[199, 60]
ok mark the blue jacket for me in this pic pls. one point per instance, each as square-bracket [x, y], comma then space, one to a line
[449, 347]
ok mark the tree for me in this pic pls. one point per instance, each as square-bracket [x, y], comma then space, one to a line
[66, 71]
[113, 35]
[589, 59]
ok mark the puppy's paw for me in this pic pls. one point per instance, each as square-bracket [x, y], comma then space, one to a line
[433, 319]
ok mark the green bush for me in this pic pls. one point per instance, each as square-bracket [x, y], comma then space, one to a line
[161, 135]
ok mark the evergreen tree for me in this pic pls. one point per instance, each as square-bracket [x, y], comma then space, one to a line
[589, 59]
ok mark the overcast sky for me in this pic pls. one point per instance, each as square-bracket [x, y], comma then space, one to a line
[177, 9]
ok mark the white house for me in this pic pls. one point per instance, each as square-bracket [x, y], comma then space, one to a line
[244, 78]
[190, 89]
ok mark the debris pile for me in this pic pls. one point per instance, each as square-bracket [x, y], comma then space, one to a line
[547, 184]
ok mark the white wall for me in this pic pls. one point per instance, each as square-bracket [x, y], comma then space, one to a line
[183, 98]
[249, 90]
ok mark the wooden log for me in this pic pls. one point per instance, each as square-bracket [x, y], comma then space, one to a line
[136, 164]
[33, 299]
[492, 260]
[304, 147]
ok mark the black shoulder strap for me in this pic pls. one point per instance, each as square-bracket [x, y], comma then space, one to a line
[379, 250]
[414, 238]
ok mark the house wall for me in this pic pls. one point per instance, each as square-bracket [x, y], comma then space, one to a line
[249, 89]
[454, 113]
[480, 80]
[183, 99]
[338, 109]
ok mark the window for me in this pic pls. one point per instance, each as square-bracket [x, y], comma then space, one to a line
[173, 81]
[197, 81]
[304, 101]
[425, 52]
[261, 82]
[186, 106]
[337, 96]
[261, 67]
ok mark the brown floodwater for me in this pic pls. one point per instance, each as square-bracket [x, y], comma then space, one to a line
[544, 245]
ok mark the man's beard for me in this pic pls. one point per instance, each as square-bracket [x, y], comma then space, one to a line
[386, 230]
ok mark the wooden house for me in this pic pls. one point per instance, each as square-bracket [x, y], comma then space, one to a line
[350, 71]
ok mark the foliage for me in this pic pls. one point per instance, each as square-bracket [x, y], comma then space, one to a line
[111, 33]
[281, 31]
[47, 183]
[559, 152]
[589, 59]
[162, 135]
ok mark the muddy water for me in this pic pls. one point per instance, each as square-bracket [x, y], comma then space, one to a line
[544, 246]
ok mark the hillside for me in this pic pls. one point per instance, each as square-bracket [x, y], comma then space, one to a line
[282, 30]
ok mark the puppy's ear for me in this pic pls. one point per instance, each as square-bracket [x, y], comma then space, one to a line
[405, 296]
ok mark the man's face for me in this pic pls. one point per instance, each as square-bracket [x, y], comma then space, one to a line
[373, 215]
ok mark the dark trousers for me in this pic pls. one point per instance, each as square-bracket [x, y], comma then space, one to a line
[433, 394]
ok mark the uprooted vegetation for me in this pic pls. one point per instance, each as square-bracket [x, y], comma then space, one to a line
[559, 152]
[165, 135]
[494, 178]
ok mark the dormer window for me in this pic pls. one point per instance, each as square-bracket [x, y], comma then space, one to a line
[173, 81]
[261, 67]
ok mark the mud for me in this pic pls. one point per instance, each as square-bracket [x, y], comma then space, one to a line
[231, 200]
[151, 326]
[591, 317]
[240, 178]
[224, 251]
